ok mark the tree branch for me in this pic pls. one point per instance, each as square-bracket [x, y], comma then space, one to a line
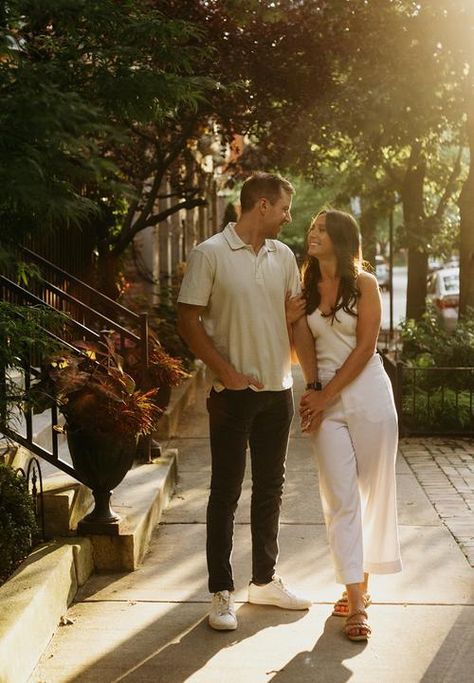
[139, 225]
[130, 214]
[161, 165]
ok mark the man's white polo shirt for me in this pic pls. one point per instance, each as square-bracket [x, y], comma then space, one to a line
[244, 295]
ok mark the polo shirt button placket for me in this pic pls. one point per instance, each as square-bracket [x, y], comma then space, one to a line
[259, 268]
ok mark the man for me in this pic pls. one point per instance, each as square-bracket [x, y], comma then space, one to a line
[231, 312]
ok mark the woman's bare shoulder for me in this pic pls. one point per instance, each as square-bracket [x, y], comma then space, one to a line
[367, 282]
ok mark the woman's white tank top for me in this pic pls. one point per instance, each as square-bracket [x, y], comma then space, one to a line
[369, 396]
[334, 339]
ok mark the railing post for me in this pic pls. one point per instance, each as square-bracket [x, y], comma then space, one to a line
[144, 340]
[34, 476]
[399, 395]
[145, 446]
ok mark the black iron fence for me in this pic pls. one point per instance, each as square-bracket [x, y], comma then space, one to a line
[432, 400]
[34, 482]
[82, 322]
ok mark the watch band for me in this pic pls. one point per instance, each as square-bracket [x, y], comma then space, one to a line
[317, 386]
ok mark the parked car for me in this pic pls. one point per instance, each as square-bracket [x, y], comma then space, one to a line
[382, 272]
[438, 263]
[443, 291]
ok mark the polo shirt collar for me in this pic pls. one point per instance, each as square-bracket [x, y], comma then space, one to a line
[235, 242]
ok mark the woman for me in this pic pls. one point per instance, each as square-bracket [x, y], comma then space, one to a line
[349, 411]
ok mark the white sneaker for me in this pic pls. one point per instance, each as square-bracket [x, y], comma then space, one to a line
[276, 593]
[222, 613]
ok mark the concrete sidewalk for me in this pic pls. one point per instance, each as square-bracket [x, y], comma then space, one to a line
[151, 625]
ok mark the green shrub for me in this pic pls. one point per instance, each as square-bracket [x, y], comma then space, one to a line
[17, 520]
[435, 398]
[427, 343]
[437, 411]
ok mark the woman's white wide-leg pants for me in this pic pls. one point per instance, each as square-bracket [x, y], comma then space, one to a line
[355, 450]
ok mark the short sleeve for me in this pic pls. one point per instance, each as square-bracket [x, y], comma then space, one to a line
[294, 282]
[197, 281]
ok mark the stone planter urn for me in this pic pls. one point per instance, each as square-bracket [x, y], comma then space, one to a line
[101, 460]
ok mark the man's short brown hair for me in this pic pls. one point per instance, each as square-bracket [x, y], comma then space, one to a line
[258, 185]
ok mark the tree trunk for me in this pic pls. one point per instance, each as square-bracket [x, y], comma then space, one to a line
[413, 215]
[416, 287]
[466, 207]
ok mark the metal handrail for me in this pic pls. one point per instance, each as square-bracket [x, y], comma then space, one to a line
[139, 320]
[103, 318]
[43, 453]
[32, 298]
[94, 292]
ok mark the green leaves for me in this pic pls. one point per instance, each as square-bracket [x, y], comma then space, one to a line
[22, 335]
[93, 391]
[427, 339]
[74, 77]
[17, 520]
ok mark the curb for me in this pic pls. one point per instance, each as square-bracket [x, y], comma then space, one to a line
[34, 599]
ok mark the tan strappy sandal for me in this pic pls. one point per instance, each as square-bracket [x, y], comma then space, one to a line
[344, 603]
[357, 621]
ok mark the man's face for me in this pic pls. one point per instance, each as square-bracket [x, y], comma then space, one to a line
[277, 214]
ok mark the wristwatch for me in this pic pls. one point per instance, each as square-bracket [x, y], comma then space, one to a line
[317, 386]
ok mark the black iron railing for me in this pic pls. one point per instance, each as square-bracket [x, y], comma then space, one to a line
[34, 483]
[64, 291]
[82, 322]
[433, 400]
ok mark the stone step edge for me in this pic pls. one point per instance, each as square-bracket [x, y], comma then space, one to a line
[35, 598]
[140, 500]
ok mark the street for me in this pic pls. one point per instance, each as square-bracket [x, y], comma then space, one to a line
[399, 298]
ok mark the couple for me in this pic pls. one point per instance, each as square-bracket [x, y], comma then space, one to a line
[240, 310]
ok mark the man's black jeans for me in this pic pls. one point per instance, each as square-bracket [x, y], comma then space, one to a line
[261, 420]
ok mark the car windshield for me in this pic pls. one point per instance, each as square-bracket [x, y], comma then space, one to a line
[451, 283]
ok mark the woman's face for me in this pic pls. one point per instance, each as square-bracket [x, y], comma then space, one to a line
[319, 242]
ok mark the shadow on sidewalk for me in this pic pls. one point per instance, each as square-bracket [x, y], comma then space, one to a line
[179, 644]
[325, 662]
[454, 661]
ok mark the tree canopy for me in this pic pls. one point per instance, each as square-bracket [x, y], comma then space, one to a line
[104, 101]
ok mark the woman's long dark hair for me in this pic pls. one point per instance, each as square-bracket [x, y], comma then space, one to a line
[344, 233]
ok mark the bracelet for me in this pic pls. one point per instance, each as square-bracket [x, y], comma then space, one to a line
[316, 386]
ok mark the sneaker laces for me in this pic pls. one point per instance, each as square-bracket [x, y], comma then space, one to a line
[223, 603]
[278, 580]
